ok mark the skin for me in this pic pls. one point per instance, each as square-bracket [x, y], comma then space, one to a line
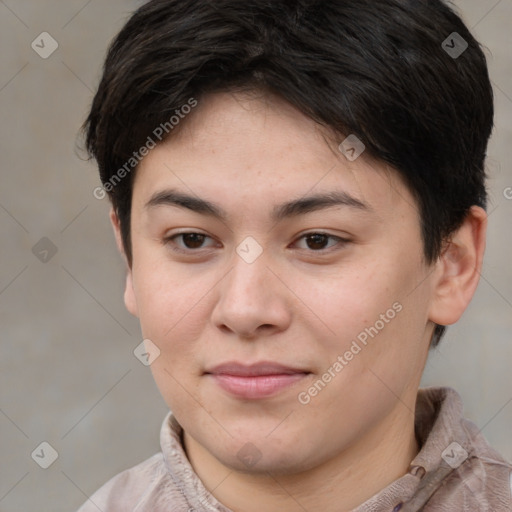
[300, 303]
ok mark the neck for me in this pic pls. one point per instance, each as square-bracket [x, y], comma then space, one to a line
[341, 483]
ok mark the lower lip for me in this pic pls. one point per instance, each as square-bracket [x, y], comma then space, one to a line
[257, 386]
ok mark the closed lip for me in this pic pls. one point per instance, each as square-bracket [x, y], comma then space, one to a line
[254, 370]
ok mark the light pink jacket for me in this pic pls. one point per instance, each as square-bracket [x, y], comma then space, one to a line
[455, 471]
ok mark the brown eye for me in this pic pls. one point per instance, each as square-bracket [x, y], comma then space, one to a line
[317, 241]
[321, 243]
[193, 240]
[188, 242]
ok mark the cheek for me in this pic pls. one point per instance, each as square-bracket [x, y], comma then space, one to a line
[345, 302]
[366, 381]
[173, 316]
[165, 296]
[370, 318]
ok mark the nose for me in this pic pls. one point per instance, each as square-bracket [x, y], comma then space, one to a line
[252, 301]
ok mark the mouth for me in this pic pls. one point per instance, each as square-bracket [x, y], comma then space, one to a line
[256, 381]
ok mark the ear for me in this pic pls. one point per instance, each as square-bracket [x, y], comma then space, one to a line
[129, 293]
[458, 269]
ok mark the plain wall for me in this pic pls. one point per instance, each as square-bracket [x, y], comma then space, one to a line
[68, 373]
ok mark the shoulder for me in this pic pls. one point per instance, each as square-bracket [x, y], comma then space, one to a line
[481, 480]
[125, 490]
[478, 484]
[463, 471]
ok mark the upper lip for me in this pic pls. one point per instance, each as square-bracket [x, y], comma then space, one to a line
[253, 370]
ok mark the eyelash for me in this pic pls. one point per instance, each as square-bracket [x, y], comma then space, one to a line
[169, 241]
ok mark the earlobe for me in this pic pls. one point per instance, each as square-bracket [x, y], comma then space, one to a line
[458, 269]
[129, 293]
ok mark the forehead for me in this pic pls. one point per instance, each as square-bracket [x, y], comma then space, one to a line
[259, 151]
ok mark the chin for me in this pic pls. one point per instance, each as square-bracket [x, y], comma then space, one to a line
[262, 455]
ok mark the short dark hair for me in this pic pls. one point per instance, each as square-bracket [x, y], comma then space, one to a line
[380, 70]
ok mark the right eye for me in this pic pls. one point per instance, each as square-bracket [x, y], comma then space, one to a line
[190, 242]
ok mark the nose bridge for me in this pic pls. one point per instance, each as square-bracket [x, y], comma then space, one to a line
[249, 274]
[248, 296]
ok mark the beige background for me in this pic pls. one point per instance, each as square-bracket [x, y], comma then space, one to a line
[68, 373]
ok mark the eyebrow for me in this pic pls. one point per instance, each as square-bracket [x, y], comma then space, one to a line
[289, 209]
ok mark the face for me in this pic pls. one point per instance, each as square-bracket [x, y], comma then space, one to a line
[283, 284]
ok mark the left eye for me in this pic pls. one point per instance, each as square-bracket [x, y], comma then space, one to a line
[317, 241]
